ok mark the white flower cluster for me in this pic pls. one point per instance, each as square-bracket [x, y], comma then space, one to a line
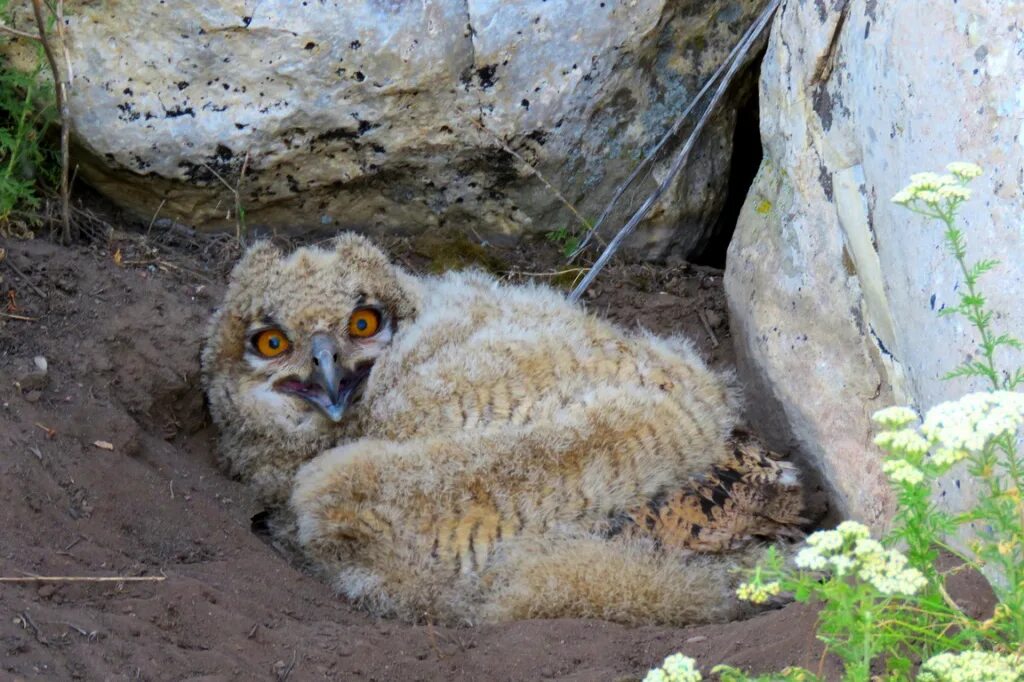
[965, 170]
[895, 417]
[960, 427]
[951, 430]
[935, 189]
[758, 593]
[972, 666]
[902, 471]
[849, 550]
[675, 668]
[906, 441]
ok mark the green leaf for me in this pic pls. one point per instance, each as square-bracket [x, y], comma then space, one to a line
[969, 300]
[983, 266]
[1007, 340]
[802, 592]
[969, 369]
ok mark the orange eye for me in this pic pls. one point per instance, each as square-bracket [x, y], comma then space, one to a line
[271, 342]
[363, 323]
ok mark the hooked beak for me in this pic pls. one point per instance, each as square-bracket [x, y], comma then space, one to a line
[330, 388]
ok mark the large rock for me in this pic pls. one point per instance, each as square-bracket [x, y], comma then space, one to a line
[391, 114]
[833, 289]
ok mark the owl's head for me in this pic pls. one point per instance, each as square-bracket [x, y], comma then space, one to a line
[290, 348]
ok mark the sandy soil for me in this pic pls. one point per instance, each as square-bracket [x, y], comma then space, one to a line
[107, 468]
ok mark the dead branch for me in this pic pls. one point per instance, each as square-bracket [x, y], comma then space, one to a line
[649, 157]
[61, 86]
[285, 673]
[236, 192]
[24, 277]
[84, 579]
[19, 317]
[707, 327]
[736, 56]
[155, 214]
[18, 34]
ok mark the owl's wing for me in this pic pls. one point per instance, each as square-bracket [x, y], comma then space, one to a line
[752, 496]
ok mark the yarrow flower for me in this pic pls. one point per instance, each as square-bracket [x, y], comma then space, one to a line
[966, 425]
[895, 417]
[929, 180]
[951, 430]
[810, 558]
[948, 457]
[964, 170]
[902, 471]
[758, 593]
[826, 539]
[954, 192]
[939, 190]
[841, 564]
[907, 441]
[675, 668]
[972, 666]
[853, 530]
[886, 569]
[849, 550]
[867, 547]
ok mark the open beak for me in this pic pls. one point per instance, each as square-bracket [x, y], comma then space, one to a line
[330, 388]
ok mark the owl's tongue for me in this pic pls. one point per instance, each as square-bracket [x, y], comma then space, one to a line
[330, 387]
[313, 392]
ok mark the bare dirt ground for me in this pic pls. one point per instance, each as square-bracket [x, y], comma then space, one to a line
[107, 468]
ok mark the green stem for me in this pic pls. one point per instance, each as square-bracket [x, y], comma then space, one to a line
[956, 248]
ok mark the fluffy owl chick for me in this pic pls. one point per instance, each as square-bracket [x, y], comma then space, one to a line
[465, 447]
[280, 362]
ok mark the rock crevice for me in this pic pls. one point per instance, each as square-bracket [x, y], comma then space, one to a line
[832, 288]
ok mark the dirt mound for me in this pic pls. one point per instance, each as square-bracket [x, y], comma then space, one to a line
[107, 468]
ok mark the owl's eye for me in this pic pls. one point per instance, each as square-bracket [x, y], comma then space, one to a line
[271, 342]
[364, 323]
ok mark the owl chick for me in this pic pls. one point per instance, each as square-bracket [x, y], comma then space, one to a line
[460, 450]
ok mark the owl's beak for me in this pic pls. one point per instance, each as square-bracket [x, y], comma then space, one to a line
[327, 376]
[330, 387]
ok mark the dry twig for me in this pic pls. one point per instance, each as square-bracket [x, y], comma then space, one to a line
[707, 327]
[50, 433]
[285, 673]
[155, 214]
[61, 87]
[24, 277]
[18, 34]
[83, 579]
[236, 192]
[23, 318]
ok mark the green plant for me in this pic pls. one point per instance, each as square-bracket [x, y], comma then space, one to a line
[565, 238]
[979, 430]
[884, 604]
[27, 162]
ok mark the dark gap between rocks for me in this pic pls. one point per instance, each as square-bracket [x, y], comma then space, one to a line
[746, 159]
